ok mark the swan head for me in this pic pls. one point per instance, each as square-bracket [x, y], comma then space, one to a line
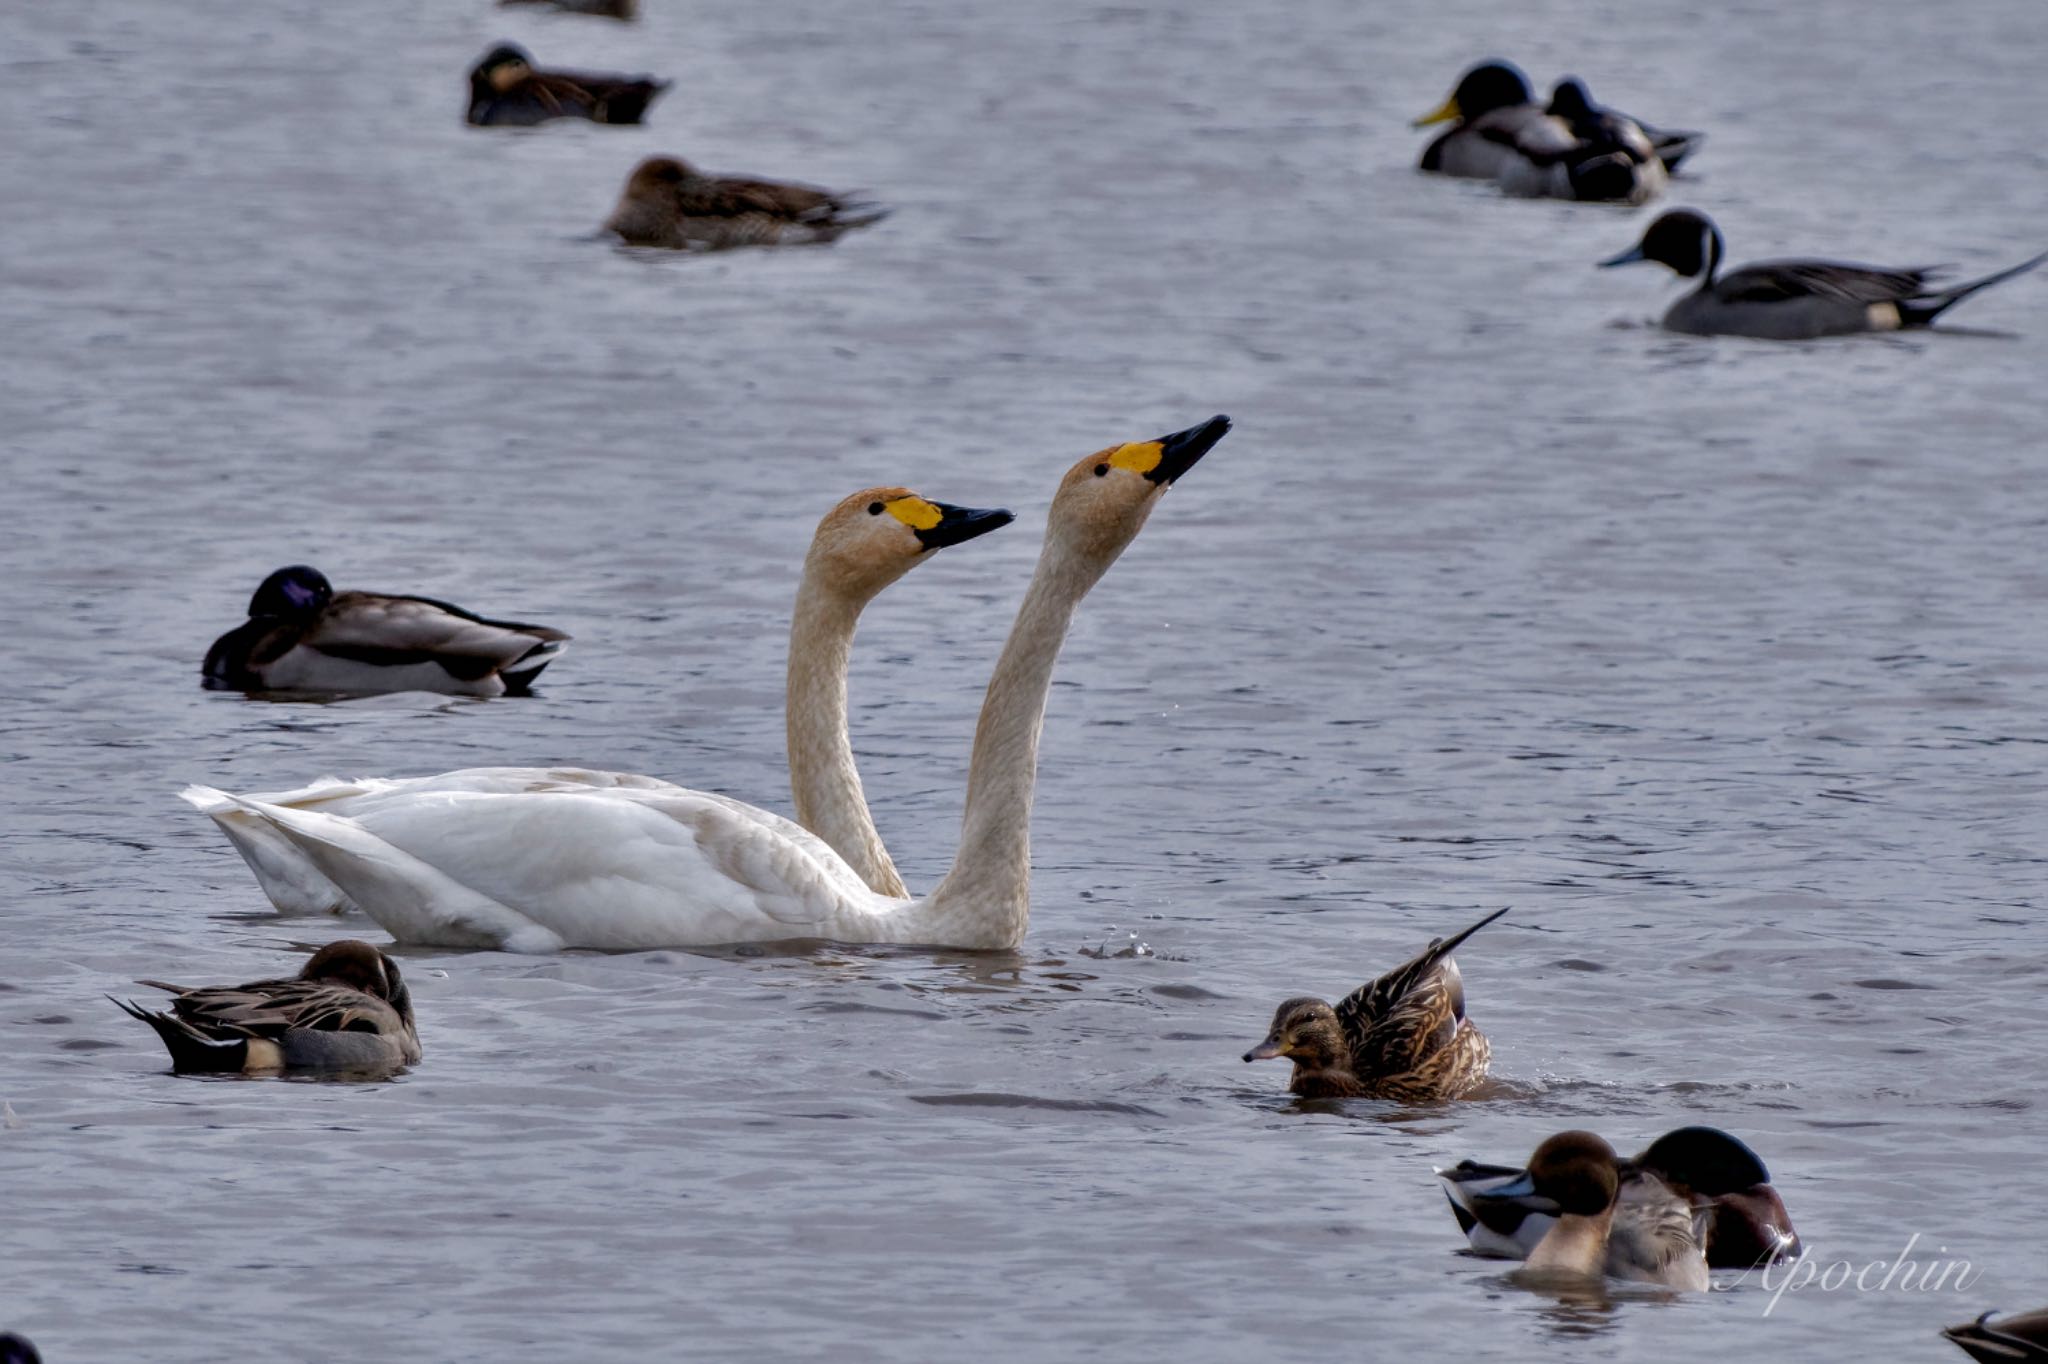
[1103, 501]
[1305, 1031]
[877, 535]
[294, 591]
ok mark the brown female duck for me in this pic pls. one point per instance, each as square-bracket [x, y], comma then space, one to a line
[347, 1009]
[668, 203]
[506, 91]
[1403, 1036]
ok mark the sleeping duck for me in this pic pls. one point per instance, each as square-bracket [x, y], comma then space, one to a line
[302, 636]
[347, 1009]
[505, 91]
[2017, 1339]
[1791, 300]
[668, 203]
[1403, 1036]
[1746, 1221]
[1502, 135]
[1596, 124]
[1606, 1218]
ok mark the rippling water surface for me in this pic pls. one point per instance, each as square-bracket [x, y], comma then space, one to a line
[1721, 662]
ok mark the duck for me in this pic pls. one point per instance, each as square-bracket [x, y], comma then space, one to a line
[505, 90]
[866, 542]
[2013, 1340]
[603, 9]
[348, 1008]
[1607, 1219]
[1593, 123]
[1747, 1223]
[16, 1349]
[303, 636]
[1501, 134]
[620, 868]
[669, 203]
[1790, 300]
[1403, 1036]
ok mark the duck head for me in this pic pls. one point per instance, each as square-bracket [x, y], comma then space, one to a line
[360, 966]
[657, 177]
[1686, 241]
[1748, 1221]
[294, 591]
[1306, 1032]
[1569, 100]
[1104, 500]
[876, 536]
[1490, 85]
[503, 67]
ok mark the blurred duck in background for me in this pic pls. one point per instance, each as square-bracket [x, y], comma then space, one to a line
[669, 203]
[506, 91]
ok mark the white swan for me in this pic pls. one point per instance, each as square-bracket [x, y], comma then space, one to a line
[628, 868]
[864, 544]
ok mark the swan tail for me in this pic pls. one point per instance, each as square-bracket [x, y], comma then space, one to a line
[293, 883]
[410, 899]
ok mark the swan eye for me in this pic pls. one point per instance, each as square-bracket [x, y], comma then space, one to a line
[1101, 469]
[874, 509]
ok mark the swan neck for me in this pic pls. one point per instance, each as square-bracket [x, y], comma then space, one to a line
[822, 776]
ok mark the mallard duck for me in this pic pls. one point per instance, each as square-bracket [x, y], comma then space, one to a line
[1747, 1222]
[667, 203]
[506, 91]
[347, 1009]
[1790, 300]
[302, 636]
[602, 9]
[2013, 1340]
[1502, 135]
[1403, 1036]
[1605, 1218]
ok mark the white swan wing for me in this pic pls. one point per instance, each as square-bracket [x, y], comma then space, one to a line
[617, 870]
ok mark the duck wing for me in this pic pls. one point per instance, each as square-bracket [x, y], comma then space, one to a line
[609, 98]
[394, 631]
[1778, 281]
[270, 1008]
[1541, 137]
[2020, 1337]
[1376, 1003]
[1657, 1237]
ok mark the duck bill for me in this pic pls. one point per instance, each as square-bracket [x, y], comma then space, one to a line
[1180, 451]
[958, 525]
[1443, 113]
[1272, 1049]
[1628, 257]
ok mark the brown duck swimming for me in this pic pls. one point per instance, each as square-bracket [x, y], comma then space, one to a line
[2017, 1339]
[302, 636]
[347, 1009]
[668, 203]
[506, 91]
[1404, 1036]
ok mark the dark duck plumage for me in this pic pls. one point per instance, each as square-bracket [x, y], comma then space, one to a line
[2018, 1339]
[1500, 133]
[1403, 1036]
[602, 9]
[302, 636]
[505, 90]
[16, 1349]
[347, 1009]
[1596, 124]
[1791, 300]
[668, 203]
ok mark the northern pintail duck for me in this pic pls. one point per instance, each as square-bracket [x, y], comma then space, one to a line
[2018, 1339]
[505, 90]
[602, 9]
[668, 203]
[1747, 1223]
[303, 636]
[347, 1009]
[1501, 134]
[1403, 1036]
[1790, 300]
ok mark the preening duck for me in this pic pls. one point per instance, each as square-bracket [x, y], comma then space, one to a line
[1501, 134]
[630, 868]
[1403, 1036]
[1629, 1225]
[669, 203]
[302, 636]
[865, 543]
[347, 1009]
[1747, 1223]
[506, 91]
[1791, 300]
[2018, 1339]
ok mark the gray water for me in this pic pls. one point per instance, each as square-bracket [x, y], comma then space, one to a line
[1723, 663]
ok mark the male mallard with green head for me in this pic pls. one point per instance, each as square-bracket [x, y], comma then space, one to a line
[1404, 1036]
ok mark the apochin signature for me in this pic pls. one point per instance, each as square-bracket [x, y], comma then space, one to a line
[1876, 1276]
